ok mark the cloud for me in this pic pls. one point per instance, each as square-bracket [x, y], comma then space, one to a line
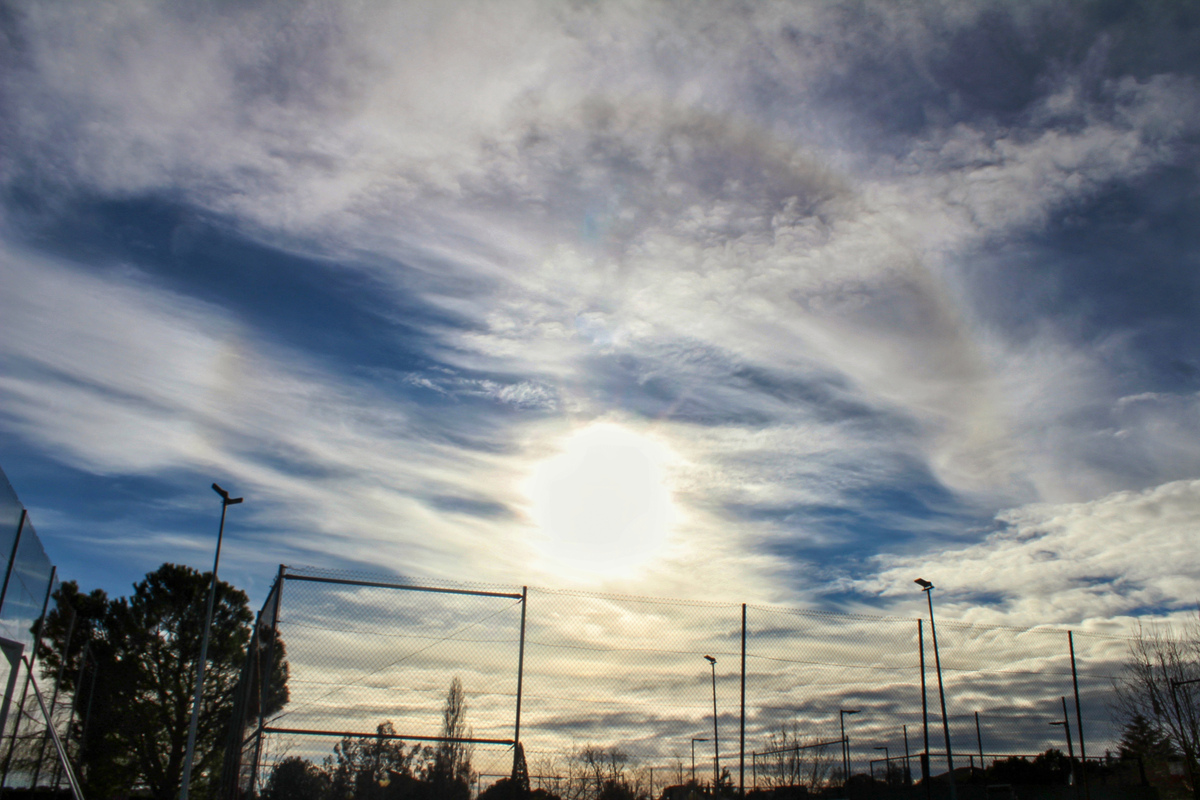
[1113, 558]
[684, 219]
[116, 376]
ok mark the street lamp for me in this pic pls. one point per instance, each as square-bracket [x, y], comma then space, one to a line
[927, 588]
[712, 662]
[887, 765]
[845, 744]
[226, 502]
[694, 757]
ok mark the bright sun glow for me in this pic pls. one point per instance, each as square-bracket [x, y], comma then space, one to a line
[602, 503]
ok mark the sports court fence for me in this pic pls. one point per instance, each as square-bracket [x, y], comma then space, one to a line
[598, 687]
[32, 752]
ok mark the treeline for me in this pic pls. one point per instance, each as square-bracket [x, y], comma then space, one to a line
[121, 674]
[382, 767]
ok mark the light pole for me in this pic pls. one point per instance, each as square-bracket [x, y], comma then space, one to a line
[694, 757]
[887, 765]
[712, 662]
[842, 712]
[927, 588]
[907, 762]
[1066, 726]
[226, 502]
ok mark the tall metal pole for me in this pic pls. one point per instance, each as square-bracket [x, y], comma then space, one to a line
[1066, 723]
[845, 765]
[928, 589]
[1087, 789]
[76, 792]
[887, 764]
[712, 662]
[742, 730]
[979, 740]
[264, 675]
[907, 760]
[520, 681]
[193, 725]
[842, 712]
[924, 711]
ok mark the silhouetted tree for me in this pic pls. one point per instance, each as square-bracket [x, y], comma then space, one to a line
[449, 772]
[1141, 738]
[145, 649]
[504, 789]
[71, 646]
[365, 767]
[1153, 685]
[794, 761]
[296, 778]
[603, 772]
[1050, 767]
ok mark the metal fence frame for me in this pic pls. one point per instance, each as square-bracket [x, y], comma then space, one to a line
[239, 777]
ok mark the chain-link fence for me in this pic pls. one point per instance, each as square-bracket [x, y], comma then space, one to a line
[376, 659]
[28, 756]
[618, 688]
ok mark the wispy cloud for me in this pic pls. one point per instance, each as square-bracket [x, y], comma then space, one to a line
[787, 240]
[1115, 557]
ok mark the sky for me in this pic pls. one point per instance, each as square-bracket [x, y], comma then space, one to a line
[768, 302]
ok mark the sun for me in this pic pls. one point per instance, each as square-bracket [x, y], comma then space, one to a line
[602, 503]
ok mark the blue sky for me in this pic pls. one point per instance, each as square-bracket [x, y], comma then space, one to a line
[825, 295]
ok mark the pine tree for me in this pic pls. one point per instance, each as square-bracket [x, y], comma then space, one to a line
[1141, 738]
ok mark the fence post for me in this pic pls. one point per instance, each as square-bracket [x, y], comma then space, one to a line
[742, 733]
[517, 755]
[263, 682]
[1087, 789]
[924, 710]
[907, 760]
[979, 739]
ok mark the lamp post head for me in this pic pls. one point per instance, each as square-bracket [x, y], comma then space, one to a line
[699, 740]
[1058, 723]
[924, 584]
[711, 660]
[849, 710]
[225, 498]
